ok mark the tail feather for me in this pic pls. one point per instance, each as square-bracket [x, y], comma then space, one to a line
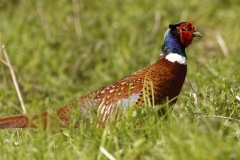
[36, 120]
[24, 121]
[18, 121]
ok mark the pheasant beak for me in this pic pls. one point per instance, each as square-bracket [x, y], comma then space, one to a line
[196, 34]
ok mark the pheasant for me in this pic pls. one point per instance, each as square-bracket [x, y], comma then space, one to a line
[155, 83]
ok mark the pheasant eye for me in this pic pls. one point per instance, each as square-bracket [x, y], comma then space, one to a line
[185, 28]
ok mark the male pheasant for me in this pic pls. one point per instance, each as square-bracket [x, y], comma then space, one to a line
[157, 82]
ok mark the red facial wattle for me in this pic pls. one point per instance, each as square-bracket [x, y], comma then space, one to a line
[186, 30]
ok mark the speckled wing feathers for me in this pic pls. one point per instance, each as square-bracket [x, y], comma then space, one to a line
[160, 80]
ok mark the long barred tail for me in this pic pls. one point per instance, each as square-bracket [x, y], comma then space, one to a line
[24, 121]
[36, 120]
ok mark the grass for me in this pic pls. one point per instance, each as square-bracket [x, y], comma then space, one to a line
[60, 53]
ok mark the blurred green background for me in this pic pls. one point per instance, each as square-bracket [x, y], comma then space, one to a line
[63, 49]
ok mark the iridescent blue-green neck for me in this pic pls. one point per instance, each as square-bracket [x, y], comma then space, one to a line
[173, 44]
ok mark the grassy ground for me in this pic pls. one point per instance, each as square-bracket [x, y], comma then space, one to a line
[60, 52]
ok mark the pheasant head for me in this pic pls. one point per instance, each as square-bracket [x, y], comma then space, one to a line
[178, 37]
